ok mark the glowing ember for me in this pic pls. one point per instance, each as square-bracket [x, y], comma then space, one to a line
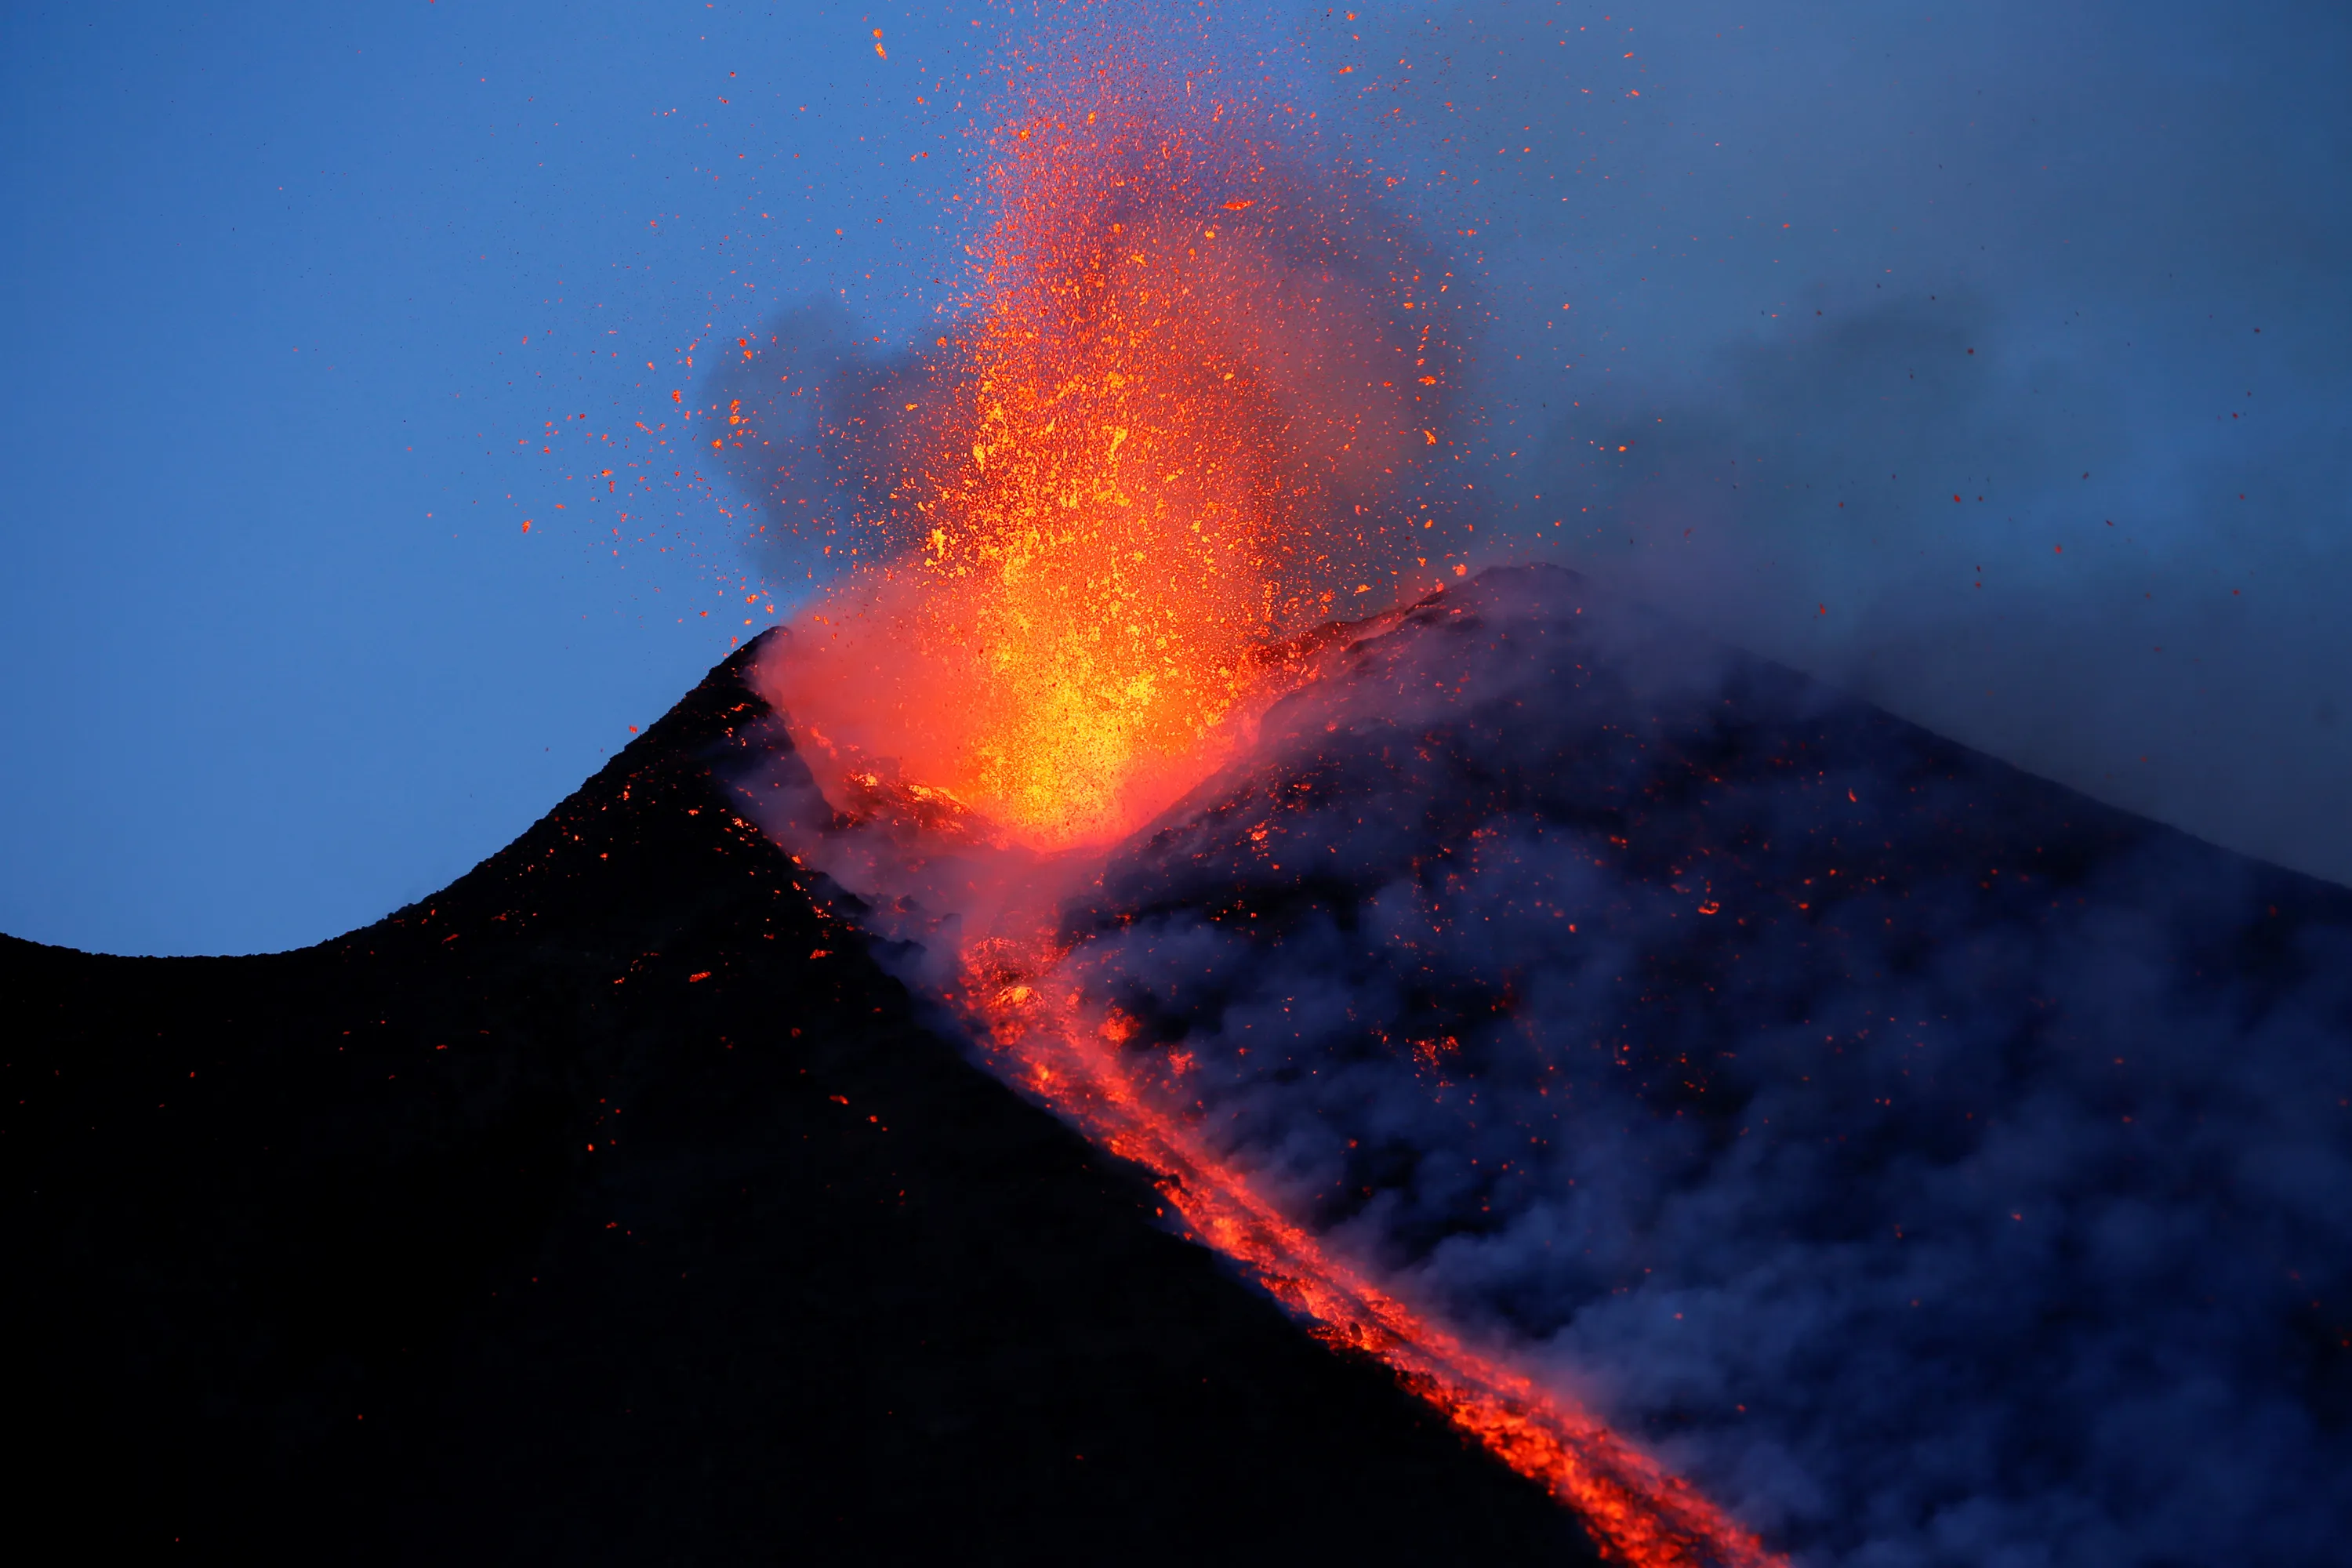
[1193, 385]
[1190, 370]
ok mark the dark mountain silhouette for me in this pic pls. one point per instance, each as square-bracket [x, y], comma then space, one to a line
[613, 1204]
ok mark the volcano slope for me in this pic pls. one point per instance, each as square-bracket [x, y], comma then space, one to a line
[611, 1205]
[1935, 1165]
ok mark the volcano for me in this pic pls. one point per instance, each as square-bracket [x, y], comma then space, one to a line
[1909, 1155]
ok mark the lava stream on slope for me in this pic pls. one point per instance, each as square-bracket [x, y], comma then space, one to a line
[1199, 405]
[1043, 1037]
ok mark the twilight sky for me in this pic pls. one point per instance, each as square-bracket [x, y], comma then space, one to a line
[305, 308]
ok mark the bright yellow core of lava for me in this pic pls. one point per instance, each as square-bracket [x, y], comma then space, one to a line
[1149, 454]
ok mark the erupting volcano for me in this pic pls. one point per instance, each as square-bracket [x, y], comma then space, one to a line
[1196, 411]
[1628, 1099]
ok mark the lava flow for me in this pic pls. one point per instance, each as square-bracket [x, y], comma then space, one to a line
[1637, 1512]
[1199, 408]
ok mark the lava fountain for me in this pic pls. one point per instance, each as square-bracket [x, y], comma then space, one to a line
[1191, 371]
[1199, 407]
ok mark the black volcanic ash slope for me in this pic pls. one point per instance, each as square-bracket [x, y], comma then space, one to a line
[611, 1205]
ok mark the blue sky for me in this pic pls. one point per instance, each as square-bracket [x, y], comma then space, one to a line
[305, 306]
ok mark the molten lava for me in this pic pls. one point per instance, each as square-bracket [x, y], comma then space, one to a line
[1195, 413]
[1190, 370]
[1042, 1035]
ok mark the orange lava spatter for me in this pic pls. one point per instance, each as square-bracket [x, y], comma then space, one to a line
[1151, 447]
[1197, 408]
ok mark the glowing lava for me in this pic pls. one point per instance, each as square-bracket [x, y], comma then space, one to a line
[1190, 370]
[1197, 411]
[1042, 1036]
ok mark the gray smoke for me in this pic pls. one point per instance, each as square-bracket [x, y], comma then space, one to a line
[1830, 267]
[1936, 1166]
